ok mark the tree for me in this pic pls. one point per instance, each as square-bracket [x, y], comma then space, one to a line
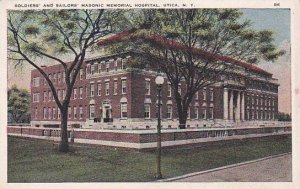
[18, 104]
[284, 116]
[199, 46]
[57, 35]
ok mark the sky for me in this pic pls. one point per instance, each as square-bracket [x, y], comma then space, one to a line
[276, 20]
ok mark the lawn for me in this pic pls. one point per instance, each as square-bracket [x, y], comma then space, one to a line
[33, 160]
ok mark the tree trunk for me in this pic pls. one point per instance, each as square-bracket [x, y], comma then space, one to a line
[182, 116]
[64, 145]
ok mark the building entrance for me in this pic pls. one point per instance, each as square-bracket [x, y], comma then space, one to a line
[107, 111]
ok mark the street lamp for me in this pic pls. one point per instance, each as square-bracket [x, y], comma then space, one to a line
[159, 80]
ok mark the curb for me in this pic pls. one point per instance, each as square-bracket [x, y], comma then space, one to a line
[221, 168]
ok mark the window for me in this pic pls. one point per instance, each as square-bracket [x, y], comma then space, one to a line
[75, 93]
[69, 112]
[107, 88]
[203, 113]
[124, 86]
[116, 65]
[50, 95]
[75, 112]
[92, 69]
[169, 111]
[58, 113]
[115, 87]
[211, 113]
[197, 96]
[169, 90]
[45, 113]
[59, 77]
[81, 74]
[211, 95]
[54, 113]
[100, 67]
[196, 113]
[64, 77]
[107, 67]
[261, 114]
[189, 113]
[88, 69]
[147, 87]
[96, 65]
[36, 82]
[36, 97]
[63, 93]
[204, 93]
[92, 111]
[248, 114]
[147, 111]
[99, 89]
[261, 101]
[123, 64]
[59, 94]
[80, 92]
[92, 90]
[54, 77]
[124, 110]
[49, 113]
[80, 112]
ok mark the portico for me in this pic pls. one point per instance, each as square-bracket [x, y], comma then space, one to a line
[234, 104]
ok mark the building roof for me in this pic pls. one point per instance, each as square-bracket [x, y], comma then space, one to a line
[172, 44]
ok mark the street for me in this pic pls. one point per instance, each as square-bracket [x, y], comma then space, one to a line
[278, 169]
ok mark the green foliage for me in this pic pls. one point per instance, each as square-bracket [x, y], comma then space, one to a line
[219, 32]
[284, 117]
[57, 36]
[18, 104]
[57, 32]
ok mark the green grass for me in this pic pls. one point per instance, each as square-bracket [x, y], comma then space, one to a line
[33, 160]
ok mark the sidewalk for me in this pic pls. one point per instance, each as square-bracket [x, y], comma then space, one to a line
[276, 169]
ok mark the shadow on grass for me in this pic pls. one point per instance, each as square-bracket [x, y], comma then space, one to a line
[33, 160]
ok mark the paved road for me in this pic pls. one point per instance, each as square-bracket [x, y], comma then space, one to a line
[277, 169]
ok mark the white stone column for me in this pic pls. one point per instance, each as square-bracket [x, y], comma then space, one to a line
[231, 105]
[243, 106]
[238, 107]
[225, 104]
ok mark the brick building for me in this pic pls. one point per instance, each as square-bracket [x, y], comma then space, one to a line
[109, 93]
